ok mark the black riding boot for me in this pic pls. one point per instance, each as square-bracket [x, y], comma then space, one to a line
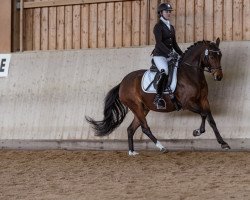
[159, 101]
[173, 99]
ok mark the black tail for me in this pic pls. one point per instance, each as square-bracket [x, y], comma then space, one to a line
[114, 114]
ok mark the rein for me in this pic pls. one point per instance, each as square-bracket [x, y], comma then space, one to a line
[197, 66]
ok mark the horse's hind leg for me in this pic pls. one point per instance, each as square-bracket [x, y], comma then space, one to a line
[212, 123]
[147, 131]
[140, 113]
[131, 131]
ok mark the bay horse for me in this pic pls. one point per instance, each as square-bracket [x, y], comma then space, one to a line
[191, 93]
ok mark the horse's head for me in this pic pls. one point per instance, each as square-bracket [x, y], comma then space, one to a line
[212, 60]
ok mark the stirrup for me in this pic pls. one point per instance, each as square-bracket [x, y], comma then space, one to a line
[160, 103]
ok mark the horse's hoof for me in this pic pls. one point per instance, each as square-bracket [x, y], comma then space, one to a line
[132, 153]
[225, 146]
[197, 132]
[164, 150]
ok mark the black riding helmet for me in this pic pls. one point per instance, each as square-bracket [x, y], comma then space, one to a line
[164, 6]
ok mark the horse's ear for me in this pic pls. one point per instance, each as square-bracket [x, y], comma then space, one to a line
[218, 42]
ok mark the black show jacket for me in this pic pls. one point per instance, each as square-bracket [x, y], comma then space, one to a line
[165, 40]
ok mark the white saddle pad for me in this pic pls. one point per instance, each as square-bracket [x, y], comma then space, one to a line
[148, 77]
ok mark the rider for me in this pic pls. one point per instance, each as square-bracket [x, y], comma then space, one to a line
[166, 48]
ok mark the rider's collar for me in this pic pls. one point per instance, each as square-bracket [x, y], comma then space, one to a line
[167, 22]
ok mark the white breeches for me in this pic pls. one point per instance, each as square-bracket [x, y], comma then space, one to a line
[161, 63]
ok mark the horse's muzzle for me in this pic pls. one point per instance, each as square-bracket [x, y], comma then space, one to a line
[218, 75]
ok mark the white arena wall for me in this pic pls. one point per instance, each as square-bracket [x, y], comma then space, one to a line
[47, 94]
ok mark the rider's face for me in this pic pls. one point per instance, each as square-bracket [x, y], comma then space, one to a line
[166, 14]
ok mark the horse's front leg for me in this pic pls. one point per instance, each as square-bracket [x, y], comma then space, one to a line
[212, 123]
[199, 108]
[199, 131]
[207, 115]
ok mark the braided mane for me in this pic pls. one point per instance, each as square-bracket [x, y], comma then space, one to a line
[189, 49]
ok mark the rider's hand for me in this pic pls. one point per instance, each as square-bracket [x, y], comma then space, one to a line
[174, 55]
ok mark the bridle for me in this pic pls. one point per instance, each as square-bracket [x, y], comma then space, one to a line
[208, 67]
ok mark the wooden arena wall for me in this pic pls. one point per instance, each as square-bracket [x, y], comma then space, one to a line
[47, 94]
[77, 24]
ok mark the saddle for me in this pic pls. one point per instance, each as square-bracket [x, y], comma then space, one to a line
[151, 78]
[155, 70]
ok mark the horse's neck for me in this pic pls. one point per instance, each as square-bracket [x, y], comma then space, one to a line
[191, 72]
[191, 79]
[191, 69]
[194, 56]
